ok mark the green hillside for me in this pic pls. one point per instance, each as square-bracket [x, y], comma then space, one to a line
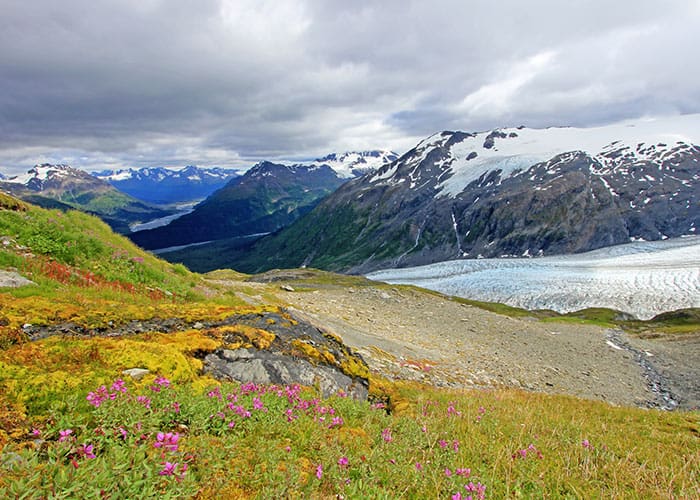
[74, 425]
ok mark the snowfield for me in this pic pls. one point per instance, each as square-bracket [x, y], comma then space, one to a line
[640, 278]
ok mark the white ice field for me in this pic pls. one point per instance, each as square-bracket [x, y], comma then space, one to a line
[640, 278]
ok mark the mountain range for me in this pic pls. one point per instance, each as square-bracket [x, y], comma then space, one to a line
[268, 197]
[164, 186]
[65, 187]
[501, 193]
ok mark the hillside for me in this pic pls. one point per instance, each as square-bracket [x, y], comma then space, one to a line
[118, 378]
[64, 187]
[268, 197]
[501, 193]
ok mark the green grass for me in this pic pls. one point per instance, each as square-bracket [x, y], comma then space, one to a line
[87, 276]
[293, 444]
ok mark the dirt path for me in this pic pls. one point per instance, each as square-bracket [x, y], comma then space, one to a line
[413, 335]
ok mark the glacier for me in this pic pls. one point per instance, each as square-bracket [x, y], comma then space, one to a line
[643, 278]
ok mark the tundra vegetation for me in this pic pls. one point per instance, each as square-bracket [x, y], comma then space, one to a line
[72, 424]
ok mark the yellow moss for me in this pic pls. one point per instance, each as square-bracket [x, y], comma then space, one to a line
[261, 339]
[352, 437]
[355, 368]
[306, 467]
[333, 336]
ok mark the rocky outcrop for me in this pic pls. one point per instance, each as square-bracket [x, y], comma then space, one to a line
[282, 349]
[264, 348]
[266, 367]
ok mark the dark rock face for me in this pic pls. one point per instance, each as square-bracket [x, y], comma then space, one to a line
[402, 215]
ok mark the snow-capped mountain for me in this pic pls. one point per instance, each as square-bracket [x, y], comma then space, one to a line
[266, 198]
[506, 192]
[355, 164]
[167, 186]
[461, 158]
[62, 186]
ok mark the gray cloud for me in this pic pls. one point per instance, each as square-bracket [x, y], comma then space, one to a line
[155, 82]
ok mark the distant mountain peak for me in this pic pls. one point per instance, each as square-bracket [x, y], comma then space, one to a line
[356, 163]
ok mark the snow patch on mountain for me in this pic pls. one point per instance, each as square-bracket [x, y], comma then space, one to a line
[356, 163]
[192, 173]
[641, 278]
[42, 173]
[511, 150]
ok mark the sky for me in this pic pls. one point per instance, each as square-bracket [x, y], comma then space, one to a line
[136, 83]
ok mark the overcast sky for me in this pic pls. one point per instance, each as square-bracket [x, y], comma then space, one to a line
[120, 83]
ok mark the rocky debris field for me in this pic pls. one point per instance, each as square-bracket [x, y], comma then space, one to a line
[405, 333]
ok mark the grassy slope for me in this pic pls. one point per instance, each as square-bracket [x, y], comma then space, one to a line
[86, 275]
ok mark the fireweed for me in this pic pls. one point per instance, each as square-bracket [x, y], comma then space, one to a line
[156, 439]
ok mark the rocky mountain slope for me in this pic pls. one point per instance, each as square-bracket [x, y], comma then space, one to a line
[269, 196]
[168, 186]
[65, 187]
[266, 198]
[507, 192]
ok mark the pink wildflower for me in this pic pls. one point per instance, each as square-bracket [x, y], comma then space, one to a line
[86, 451]
[36, 432]
[477, 488]
[451, 410]
[319, 471]
[586, 444]
[99, 396]
[448, 472]
[119, 386]
[258, 404]
[343, 461]
[65, 435]
[455, 445]
[419, 466]
[465, 473]
[168, 469]
[167, 441]
[442, 443]
[386, 435]
[144, 401]
[336, 422]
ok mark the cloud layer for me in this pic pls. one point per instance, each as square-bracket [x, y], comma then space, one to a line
[223, 82]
